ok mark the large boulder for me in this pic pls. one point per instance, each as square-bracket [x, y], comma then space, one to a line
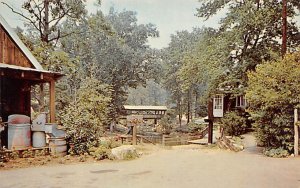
[124, 152]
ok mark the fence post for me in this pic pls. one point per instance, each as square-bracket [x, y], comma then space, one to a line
[163, 140]
[296, 133]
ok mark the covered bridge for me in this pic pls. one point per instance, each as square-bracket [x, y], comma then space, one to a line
[148, 112]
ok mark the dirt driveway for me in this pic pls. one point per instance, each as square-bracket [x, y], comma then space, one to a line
[180, 167]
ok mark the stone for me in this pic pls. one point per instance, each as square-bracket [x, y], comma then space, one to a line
[238, 147]
[122, 152]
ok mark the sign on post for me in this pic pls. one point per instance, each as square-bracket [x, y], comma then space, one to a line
[133, 121]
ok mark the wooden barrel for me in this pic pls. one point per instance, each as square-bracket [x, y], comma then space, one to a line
[58, 146]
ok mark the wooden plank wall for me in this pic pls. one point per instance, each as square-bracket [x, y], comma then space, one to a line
[10, 53]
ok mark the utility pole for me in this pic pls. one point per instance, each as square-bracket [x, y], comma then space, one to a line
[284, 28]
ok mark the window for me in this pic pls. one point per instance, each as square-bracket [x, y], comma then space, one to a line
[240, 101]
[218, 102]
[218, 106]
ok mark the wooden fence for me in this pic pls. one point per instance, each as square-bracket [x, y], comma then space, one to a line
[182, 140]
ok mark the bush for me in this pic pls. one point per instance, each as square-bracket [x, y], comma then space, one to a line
[168, 121]
[273, 92]
[100, 153]
[104, 150]
[233, 124]
[195, 127]
[277, 153]
[86, 117]
[274, 129]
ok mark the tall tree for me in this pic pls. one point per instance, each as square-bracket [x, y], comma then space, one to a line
[46, 15]
[120, 55]
[182, 43]
[253, 27]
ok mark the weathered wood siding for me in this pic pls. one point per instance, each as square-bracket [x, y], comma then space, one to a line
[15, 97]
[10, 53]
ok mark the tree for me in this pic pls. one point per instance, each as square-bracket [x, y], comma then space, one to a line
[151, 94]
[253, 28]
[46, 15]
[181, 46]
[118, 52]
[273, 92]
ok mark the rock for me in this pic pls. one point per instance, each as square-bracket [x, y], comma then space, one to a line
[238, 147]
[124, 152]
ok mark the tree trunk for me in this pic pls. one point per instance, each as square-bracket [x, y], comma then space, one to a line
[284, 28]
[179, 111]
[189, 107]
[196, 103]
[45, 36]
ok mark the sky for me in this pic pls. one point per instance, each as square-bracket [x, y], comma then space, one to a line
[169, 16]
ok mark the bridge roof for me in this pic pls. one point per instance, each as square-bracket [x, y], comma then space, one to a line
[145, 108]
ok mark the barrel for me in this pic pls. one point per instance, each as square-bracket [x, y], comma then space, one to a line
[38, 139]
[19, 136]
[58, 146]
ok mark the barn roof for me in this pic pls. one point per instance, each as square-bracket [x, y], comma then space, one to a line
[20, 44]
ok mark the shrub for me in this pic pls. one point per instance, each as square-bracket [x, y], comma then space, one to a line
[104, 150]
[274, 129]
[233, 124]
[276, 152]
[85, 118]
[273, 92]
[100, 153]
[196, 127]
[110, 144]
[168, 121]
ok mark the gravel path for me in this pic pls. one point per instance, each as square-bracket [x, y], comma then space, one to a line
[180, 167]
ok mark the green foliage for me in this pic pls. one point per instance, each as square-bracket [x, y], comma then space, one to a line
[273, 93]
[110, 144]
[151, 94]
[277, 153]
[247, 36]
[86, 117]
[115, 45]
[101, 152]
[233, 123]
[196, 127]
[168, 121]
[179, 52]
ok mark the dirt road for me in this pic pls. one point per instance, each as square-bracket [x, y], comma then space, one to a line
[183, 167]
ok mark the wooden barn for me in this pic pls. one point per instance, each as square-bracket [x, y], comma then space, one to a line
[19, 71]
